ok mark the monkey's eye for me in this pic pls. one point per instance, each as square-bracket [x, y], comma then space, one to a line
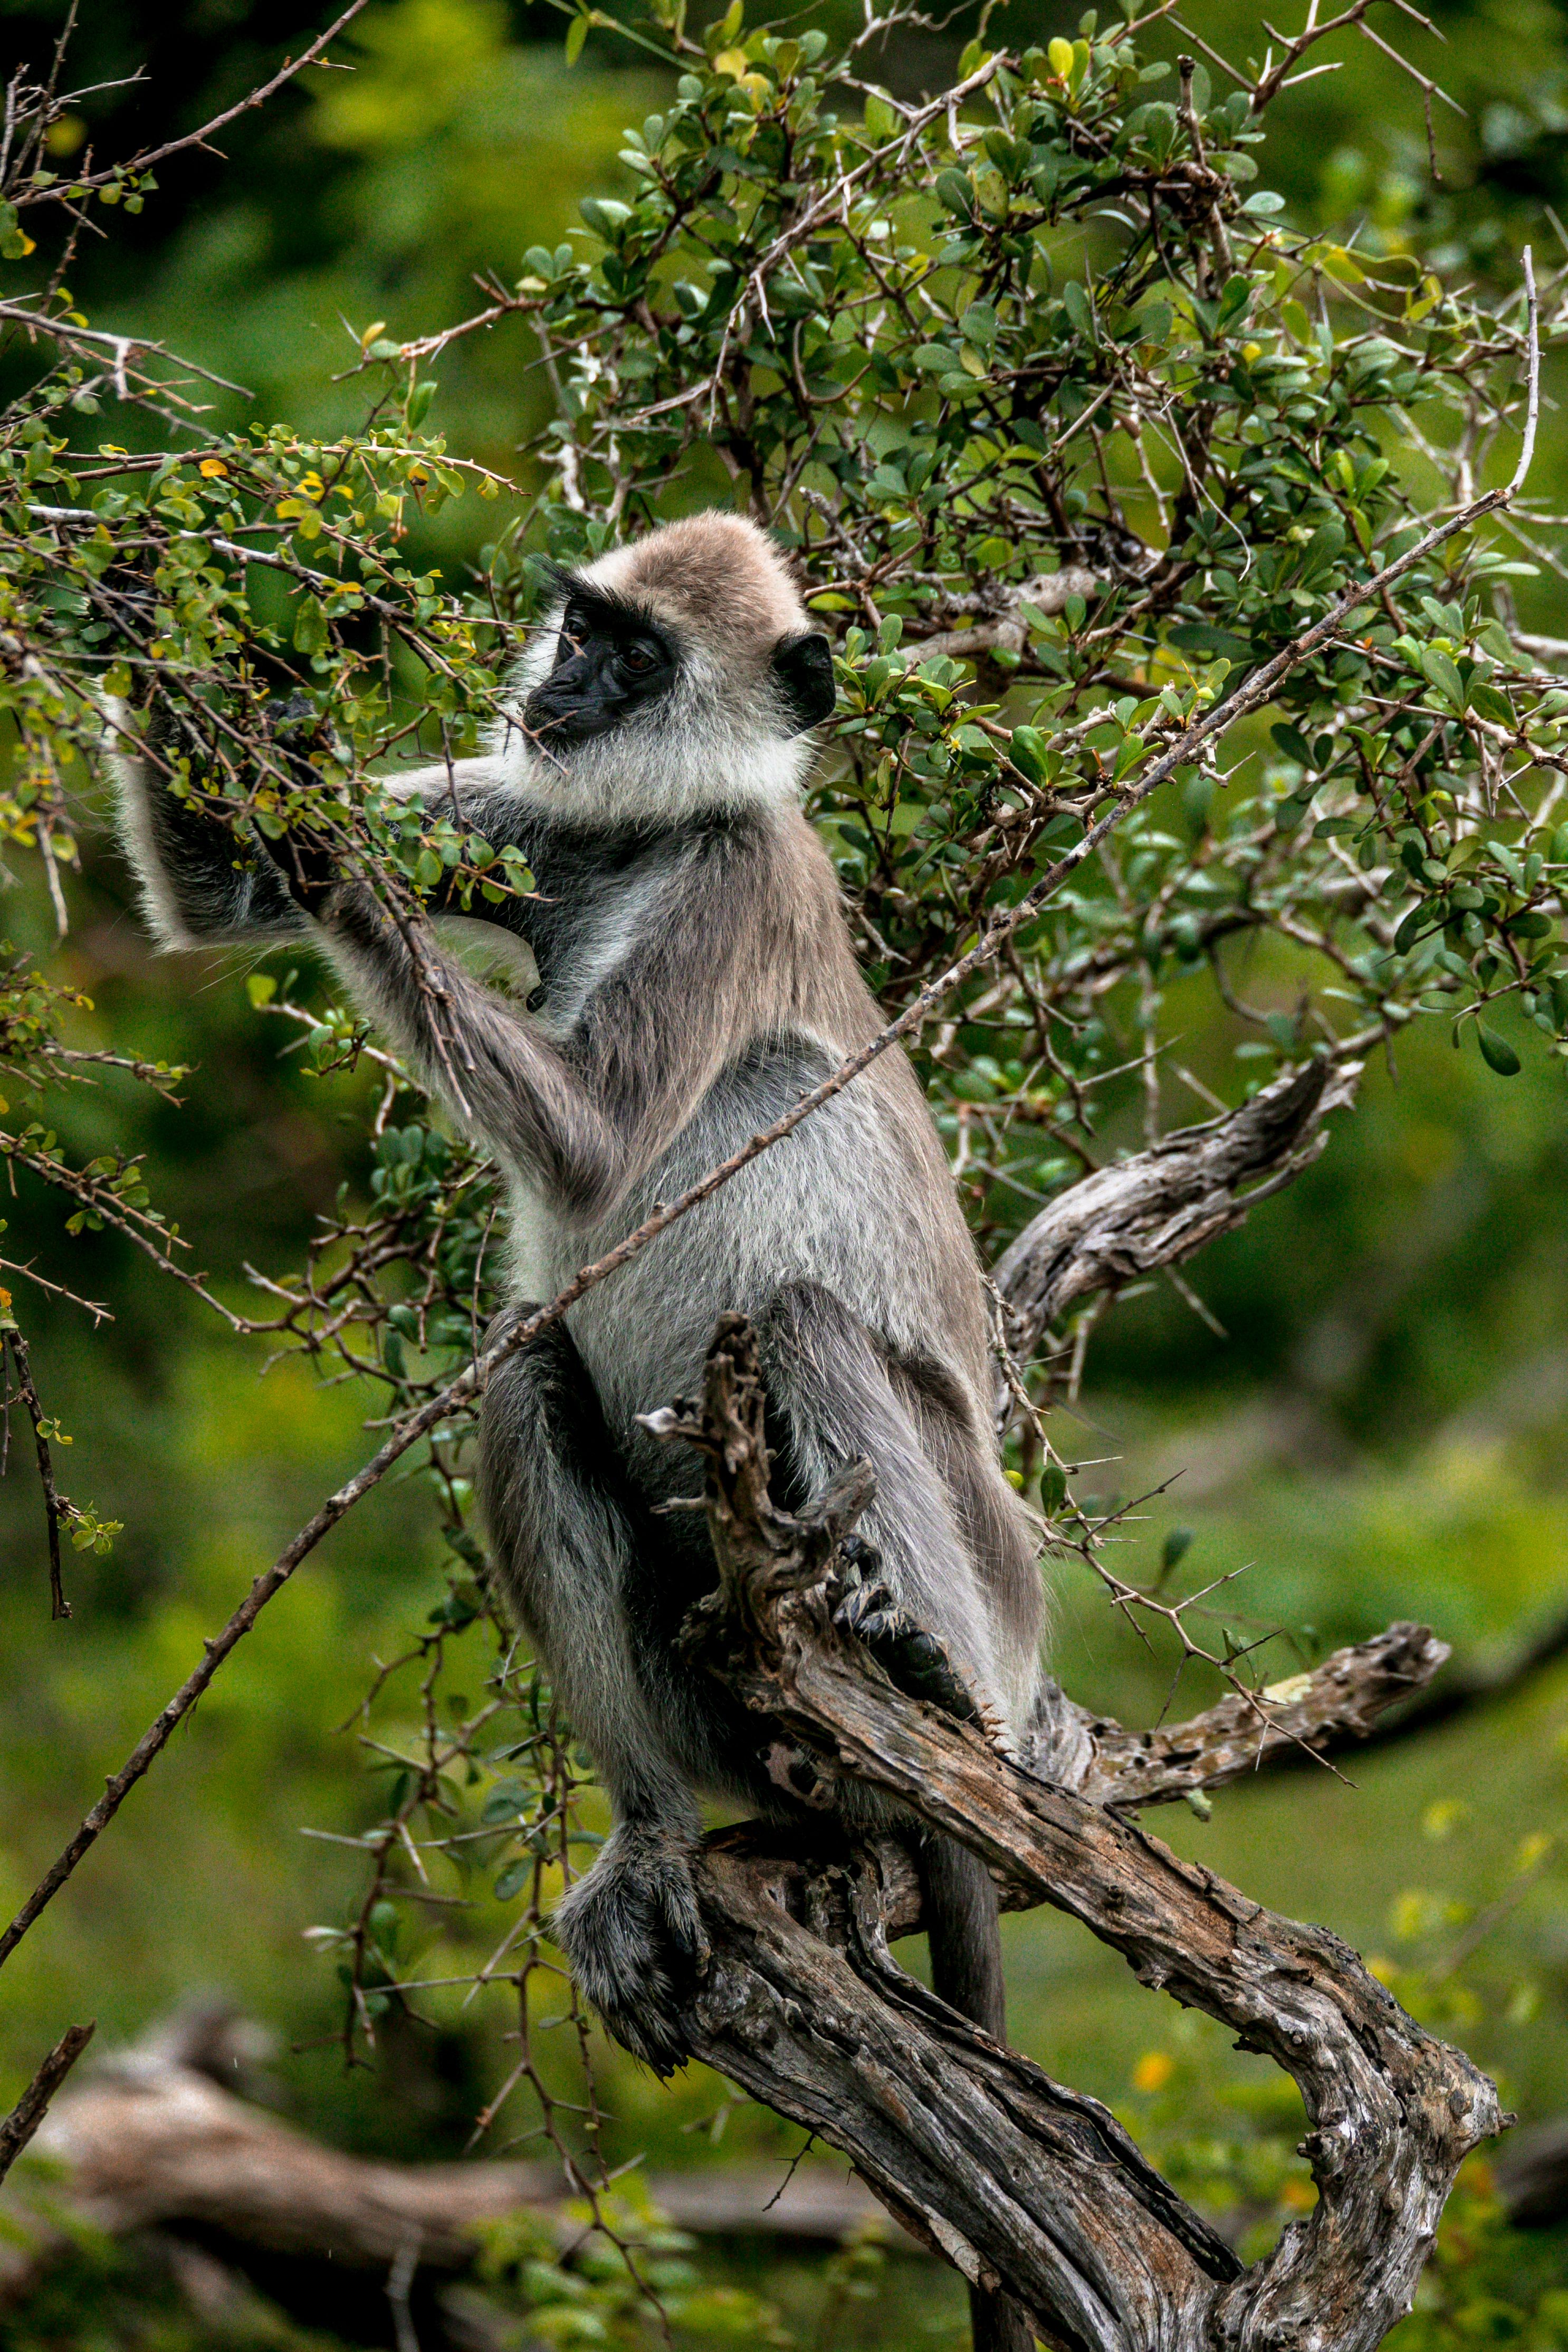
[639, 659]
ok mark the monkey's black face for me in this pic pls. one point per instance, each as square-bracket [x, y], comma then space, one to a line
[610, 660]
[613, 659]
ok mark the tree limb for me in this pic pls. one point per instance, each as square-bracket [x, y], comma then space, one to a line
[1029, 2188]
[157, 2140]
[1161, 1207]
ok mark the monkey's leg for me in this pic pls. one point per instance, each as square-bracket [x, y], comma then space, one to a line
[835, 1399]
[567, 1532]
[830, 1389]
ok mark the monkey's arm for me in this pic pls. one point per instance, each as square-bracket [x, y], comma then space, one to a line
[585, 1115]
[201, 883]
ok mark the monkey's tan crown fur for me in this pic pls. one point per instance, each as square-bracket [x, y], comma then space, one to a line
[717, 576]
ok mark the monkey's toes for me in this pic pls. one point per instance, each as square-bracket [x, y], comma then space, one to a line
[633, 1935]
[652, 2035]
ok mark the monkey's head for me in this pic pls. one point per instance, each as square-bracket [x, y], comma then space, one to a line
[675, 673]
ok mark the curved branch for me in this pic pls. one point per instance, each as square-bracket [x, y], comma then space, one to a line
[1159, 1208]
[1338, 1702]
[1026, 2186]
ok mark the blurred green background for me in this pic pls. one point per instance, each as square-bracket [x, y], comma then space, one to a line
[1383, 1433]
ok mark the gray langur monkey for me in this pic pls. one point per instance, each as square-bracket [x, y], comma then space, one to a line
[696, 975]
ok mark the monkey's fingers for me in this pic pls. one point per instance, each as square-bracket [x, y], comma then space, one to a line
[861, 1604]
[913, 1660]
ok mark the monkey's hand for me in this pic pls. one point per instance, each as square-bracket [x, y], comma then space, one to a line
[913, 1660]
[631, 1933]
[305, 861]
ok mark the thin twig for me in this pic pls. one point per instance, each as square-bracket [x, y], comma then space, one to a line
[33, 2106]
[11, 1338]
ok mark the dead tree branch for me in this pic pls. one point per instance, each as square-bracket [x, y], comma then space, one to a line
[1026, 2186]
[157, 2141]
[1337, 1703]
[1161, 1207]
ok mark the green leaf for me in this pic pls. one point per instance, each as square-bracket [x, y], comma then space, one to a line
[1031, 753]
[1441, 672]
[261, 988]
[1497, 1053]
[310, 626]
[577, 34]
[605, 215]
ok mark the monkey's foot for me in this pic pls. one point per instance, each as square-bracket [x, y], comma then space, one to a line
[912, 1659]
[631, 1934]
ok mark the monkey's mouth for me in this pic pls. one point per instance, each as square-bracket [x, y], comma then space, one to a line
[557, 724]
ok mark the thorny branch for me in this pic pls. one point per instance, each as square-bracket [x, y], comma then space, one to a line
[32, 112]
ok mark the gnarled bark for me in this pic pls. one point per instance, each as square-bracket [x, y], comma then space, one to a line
[1025, 2185]
[1160, 1207]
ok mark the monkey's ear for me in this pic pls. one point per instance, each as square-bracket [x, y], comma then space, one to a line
[803, 668]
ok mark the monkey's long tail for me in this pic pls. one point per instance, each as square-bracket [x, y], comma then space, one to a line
[967, 1973]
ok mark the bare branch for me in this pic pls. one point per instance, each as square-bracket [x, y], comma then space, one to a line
[1161, 1207]
[33, 2106]
[1338, 1702]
